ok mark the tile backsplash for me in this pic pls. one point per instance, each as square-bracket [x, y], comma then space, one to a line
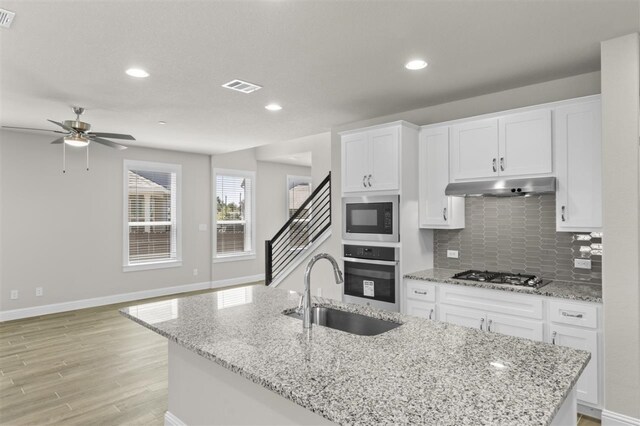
[518, 234]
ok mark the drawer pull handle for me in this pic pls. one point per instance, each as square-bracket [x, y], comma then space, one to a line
[431, 314]
[495, 169]
[489, 325]
[562, 214]
[420, 292]
[502, 164]
[553, 337]
[364, 178]
[481, 323]
[567, 314]
[444, 214]
[369, 181]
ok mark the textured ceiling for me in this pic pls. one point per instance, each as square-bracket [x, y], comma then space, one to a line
[326, 62]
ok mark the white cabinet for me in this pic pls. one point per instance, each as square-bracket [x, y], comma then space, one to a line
[461, 316]
[418, 308]
[511, 145]
[579, 167]
[437, 211]
[525, 146]
[587, 340]
[371, 160]
[517, 327]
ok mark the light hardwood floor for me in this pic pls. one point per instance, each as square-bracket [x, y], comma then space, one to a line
[86, 367]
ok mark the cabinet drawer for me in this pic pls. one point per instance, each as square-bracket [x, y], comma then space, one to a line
[421, 291]
[421, 309]
[573, 314]
[492, 301]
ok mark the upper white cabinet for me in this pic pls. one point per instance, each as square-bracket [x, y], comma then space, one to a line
[371, 160]
[437, 211]
[511, 145]
[577, 133]
[525, 146]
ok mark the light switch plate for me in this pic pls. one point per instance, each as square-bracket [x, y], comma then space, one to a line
[452, 254]
[582, 263]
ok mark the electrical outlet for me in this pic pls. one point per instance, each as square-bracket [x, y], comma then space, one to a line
[195, 272]
[202, 227]
[582, 263]
[14, 294]
[452, 254]
[39, 291]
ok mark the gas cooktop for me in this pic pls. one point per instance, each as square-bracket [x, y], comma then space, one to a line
[520, 280]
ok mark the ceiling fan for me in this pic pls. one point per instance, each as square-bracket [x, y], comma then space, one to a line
[76, 133]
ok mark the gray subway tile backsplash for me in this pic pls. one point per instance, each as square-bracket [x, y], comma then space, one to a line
[518, 234]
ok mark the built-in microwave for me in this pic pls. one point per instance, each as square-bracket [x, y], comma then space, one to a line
[371, 218]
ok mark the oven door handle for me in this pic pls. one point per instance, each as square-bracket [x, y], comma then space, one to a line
[371, 261]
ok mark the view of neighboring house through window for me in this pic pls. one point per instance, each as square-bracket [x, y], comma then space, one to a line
[298, 190]
[151, 234]
[233, 219]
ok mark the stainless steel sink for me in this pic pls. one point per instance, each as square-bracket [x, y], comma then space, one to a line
[347, 321]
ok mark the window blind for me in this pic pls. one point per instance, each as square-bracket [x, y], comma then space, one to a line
[152, 216]
[233, 214]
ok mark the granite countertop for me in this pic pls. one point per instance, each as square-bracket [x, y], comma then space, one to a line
[562, 289]
[423, 372]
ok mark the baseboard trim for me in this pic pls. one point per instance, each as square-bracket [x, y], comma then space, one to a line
[100, 301]
[170, 419]
[235, 281]
[611, 418]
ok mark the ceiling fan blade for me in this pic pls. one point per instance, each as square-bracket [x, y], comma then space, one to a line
[108, 143]
[112, 136]
[67, 128]
[31, 128]
[57, 141]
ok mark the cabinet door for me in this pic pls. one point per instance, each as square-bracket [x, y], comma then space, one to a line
[460, 316]
[586, 340]
[436, 209]
[474, 150]
[421, 309]
[579, 167]
[355, 162]
[384, 149]
[525, 143]
[516, 327]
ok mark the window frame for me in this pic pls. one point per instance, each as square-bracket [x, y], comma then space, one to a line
[246, 255]
[128, 165]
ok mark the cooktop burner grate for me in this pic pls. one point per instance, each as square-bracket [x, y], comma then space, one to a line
[521, 280]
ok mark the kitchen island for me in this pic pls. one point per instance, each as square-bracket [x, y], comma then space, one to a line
[235, 358]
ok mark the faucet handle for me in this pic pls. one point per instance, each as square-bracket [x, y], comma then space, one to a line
[300, 303]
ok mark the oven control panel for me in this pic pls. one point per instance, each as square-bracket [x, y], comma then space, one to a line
[370, 252]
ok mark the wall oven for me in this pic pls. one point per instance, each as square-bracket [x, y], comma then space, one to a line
[371, 218]
[372, 276]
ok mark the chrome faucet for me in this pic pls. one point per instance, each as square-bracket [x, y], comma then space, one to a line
[306, 296]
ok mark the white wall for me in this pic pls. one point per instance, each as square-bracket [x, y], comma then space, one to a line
[621, 239]
[63, 232]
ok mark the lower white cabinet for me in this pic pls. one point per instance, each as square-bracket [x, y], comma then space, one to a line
[517, 327]
[418, 308]
[462, 316]
[587, 340]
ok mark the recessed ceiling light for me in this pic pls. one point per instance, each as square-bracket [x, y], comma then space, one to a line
[416, 64]
[162, 122]
[273, 107]
[137, 72]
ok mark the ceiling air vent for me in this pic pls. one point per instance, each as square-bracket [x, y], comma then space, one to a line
[6, 18]
[242, 86]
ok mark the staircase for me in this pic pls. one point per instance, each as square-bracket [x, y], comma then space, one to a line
[305, 230]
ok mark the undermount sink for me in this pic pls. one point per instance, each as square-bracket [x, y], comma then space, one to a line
[347, 321]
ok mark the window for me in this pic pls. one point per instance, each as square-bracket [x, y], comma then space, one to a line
[234, 236]
[152, 215]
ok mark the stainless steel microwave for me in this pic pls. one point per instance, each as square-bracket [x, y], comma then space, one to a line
[371, 218]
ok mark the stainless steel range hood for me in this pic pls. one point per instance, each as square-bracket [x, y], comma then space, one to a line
[503, 187]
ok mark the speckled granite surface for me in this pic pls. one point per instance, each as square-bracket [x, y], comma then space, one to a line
[423, 372]
[562, 289]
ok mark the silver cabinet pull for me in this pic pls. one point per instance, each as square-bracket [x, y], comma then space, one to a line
[420, 292]
[495, 168]
[567, 314]
[481, 323]
[553, 337]
[502, 163]
[431, 314]
[444, 214]
[364, 178]
[489, 325]
[562, 215]
[369, 181]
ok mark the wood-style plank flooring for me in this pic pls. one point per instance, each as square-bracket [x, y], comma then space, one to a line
[86, 367]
